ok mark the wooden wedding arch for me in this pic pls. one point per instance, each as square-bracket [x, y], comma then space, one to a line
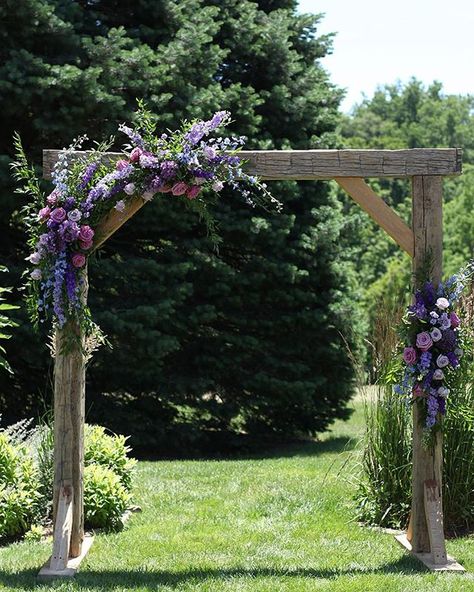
[349, 168]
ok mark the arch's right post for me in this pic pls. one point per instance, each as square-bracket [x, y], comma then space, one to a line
[425, 536]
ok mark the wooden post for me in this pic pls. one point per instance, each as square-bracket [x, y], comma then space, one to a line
[427, 463]
[69, 411]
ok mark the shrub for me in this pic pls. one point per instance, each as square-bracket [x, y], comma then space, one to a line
[110, 451]
[18, 488]
[105, 497]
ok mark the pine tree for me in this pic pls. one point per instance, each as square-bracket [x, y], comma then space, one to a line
[246, 339]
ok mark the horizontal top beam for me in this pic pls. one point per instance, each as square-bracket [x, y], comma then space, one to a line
[306, 165]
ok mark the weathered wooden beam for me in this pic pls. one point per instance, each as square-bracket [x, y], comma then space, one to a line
[379, 211]
[115, 219]
[62, 528]
[69, 414]
[301, 165]
[425, 536]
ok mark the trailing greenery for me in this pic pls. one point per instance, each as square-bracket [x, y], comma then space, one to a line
[19, 495]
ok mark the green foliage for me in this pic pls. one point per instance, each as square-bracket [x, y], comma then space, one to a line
[109, 451]
[383, 495]
[6, 323]
[105, 497]
[208, 347]
[18, 488]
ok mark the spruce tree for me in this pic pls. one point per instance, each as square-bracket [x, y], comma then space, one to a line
[246, 339]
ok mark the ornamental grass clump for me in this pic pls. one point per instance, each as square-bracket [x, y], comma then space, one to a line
[384, 489]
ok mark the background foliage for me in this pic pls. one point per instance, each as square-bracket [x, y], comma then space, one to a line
[205, 344]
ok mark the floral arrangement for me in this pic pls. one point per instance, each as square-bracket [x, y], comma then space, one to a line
[187, 164]
[432, 352]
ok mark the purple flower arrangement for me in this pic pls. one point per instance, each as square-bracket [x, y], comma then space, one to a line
[187, 165]
[432, 352]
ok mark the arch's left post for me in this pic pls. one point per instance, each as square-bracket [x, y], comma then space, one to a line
[69, 542]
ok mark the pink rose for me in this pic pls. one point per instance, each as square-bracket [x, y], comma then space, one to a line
[44, 213]
[52, 198]
[58, 215]
[409, 355]
[121, 164]
[193, 192]
[179, 188]
[135, 154]
[78, 260]
[86, 245]
[86, 233]
[453, 317]
[418, 391]
[424, 341]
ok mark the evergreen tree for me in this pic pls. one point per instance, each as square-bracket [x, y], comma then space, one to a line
[246, 339]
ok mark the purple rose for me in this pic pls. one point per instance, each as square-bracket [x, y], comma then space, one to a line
[424, 341]
[438, 374]
[436, 334]
[58, 215]
[409, 355]
[86, 245]
[86, 233]
[44, 213]
[453, 317]
[442, 361]
[120, 206]
[36, 274]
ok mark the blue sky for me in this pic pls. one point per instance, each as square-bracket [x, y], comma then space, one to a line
[381, 42]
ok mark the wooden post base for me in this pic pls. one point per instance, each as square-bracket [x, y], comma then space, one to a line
[71, 567]
[427, 558]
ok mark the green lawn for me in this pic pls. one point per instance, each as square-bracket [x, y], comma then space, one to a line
[280, 522]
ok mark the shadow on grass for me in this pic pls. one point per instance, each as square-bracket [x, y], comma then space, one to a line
[109, 580]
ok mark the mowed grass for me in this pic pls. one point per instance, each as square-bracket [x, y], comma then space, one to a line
[279, 521]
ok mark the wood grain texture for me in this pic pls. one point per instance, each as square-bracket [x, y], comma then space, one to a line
[115, 219]
[434, 519]
[69, 415]
[62, 529]
[379, 211]
[308, 165]
[427, 463]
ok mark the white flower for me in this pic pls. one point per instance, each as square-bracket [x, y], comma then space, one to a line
[438, 374]
[36, 274]
[34, 258]
[199, 180]
[218, 185]
[148, 195]
[442, 303]
[442, 361]
[443, 392]
[436, 334]
[120, 206]
[129, 188]
[74, 215]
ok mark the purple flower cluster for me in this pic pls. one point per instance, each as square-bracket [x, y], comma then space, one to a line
[432, 350]
[182, 163]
